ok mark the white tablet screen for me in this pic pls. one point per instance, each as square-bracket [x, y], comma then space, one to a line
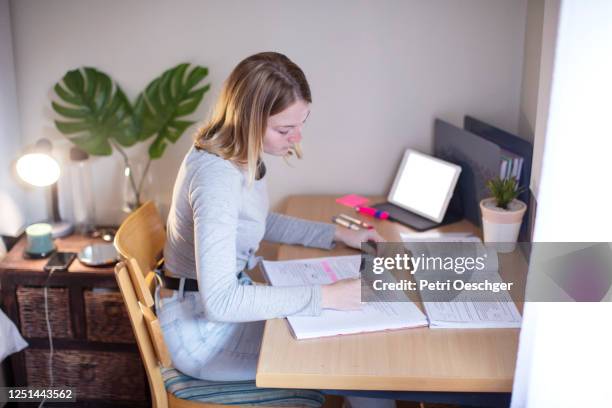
[424, 185]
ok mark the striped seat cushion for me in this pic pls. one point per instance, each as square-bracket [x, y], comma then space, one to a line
[236, 392]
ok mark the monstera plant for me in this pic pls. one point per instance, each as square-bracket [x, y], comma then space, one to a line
[98, 117]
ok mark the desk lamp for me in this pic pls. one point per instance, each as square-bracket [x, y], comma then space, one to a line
[39, 169]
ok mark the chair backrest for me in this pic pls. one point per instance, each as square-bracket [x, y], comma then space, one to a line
[142, 236]
[140, 241]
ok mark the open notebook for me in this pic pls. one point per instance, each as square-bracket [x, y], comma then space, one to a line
[374, 316]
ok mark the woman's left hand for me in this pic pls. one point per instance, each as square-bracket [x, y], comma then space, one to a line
[354, 238]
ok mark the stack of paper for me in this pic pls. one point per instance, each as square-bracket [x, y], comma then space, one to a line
[472, 315]
[374, 316]
[467, 309]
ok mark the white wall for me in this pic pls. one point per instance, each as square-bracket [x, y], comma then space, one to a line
[564, 351]
[380, 72]
[531, 68]
[548, 43]
[10, 136]
[9, 125]
[550, 24]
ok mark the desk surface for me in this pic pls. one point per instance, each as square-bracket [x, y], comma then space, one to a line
[474, 360]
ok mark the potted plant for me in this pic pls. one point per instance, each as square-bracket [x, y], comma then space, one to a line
[502, 214]
[97, 116]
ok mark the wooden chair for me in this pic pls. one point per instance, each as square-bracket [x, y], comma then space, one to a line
[140, 242]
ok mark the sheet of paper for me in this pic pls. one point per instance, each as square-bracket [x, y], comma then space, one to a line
[473, 309]
[438, 237]
[317, 271]
[373, 316]
[458, 314]
[467, 309]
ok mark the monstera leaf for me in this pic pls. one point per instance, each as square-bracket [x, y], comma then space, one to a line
[98, 112]
[168, 98]
[100, 118]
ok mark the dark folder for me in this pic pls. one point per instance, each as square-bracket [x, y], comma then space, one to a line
[508, 142]
[479, 160]
[516, 145]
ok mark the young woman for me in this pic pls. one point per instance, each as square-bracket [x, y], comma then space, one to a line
[213, 322]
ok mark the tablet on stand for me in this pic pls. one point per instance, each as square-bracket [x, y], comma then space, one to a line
[422, 191]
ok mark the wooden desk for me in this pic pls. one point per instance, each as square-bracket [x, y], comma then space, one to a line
[404, 360]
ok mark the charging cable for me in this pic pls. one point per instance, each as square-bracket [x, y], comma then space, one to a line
[49, 333]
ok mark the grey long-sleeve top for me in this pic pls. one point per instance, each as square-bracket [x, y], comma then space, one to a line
[215, 224]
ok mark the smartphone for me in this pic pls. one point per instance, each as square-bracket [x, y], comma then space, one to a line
[369, 248]
[59, 261]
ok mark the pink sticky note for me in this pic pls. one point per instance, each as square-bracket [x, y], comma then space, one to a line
[352, 200]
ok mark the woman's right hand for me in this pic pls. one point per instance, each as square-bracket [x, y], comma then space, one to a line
[344, 294]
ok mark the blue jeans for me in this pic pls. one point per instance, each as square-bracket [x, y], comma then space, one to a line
[203, 349]
[218, 351]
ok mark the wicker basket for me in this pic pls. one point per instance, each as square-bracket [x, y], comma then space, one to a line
[106, 317]
[32, 312]
[93, 374]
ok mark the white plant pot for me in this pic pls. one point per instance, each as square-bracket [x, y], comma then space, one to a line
[500, 225]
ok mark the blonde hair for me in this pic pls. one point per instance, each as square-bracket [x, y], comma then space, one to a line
[260, 86]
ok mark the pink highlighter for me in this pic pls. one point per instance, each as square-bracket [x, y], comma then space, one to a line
[373, 212]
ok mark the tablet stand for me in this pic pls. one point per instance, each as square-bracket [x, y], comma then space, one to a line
[415, 221]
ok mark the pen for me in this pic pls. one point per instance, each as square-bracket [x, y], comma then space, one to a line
[360, 223]
[373, 212]
[345, 223]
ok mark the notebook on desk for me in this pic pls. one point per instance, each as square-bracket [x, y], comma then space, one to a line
[374, 316]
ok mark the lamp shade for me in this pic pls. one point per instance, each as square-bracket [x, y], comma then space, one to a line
[38, 169]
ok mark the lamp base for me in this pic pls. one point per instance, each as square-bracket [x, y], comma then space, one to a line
[61, 229]
[42, 255]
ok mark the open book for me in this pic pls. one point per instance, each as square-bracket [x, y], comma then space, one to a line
[467, 310]
[374, 316]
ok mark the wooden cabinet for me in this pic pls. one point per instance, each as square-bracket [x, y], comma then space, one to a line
[94, 348]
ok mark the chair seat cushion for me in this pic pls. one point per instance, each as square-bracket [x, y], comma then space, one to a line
[236, 392]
